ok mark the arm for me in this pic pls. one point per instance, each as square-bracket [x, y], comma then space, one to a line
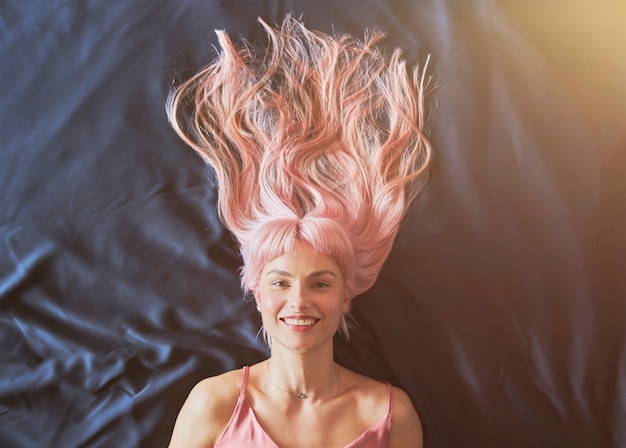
[205, 413]
[406, 428]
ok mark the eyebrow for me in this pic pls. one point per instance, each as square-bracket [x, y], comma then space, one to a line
[311, 275]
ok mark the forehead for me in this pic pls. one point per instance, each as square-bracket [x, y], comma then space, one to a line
[302, 260]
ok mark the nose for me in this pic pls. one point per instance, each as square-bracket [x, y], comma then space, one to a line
[299, 298]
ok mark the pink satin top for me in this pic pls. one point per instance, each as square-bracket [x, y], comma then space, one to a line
[243, 429]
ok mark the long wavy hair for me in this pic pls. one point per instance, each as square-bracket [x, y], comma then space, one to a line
[316, 138]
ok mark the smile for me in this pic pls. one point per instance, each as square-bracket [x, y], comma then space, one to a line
[299, 322]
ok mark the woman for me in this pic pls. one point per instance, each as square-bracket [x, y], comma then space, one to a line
[318, 148]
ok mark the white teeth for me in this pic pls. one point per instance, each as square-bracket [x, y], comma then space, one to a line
[302, 322]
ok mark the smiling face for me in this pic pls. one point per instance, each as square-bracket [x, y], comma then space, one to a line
[301, 298]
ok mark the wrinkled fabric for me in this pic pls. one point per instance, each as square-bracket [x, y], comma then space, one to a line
[501, 310]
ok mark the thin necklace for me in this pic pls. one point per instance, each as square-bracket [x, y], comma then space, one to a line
[300, 394]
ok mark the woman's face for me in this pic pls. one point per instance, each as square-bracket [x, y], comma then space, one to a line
[301, 299]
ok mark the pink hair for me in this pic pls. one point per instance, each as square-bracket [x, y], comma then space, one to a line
[318, 138]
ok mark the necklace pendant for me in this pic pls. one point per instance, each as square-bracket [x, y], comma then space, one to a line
[300, 395]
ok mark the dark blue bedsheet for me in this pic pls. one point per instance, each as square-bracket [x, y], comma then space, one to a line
[502, 308]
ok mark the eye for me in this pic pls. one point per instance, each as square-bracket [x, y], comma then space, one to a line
[321, 284]
[279, 283]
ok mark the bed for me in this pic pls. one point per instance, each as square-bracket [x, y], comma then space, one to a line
[501, 310]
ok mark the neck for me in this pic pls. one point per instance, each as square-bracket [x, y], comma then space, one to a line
[302, 375]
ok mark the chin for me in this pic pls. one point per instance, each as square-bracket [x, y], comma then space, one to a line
[302, 346]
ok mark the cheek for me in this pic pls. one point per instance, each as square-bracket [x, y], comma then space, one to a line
[266, 301]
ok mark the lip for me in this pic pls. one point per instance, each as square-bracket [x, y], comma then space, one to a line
[296, 326]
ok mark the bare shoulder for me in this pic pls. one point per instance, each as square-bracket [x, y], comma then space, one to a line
[373, 402]
[369, 396]
[406, 428]
[206, 411]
